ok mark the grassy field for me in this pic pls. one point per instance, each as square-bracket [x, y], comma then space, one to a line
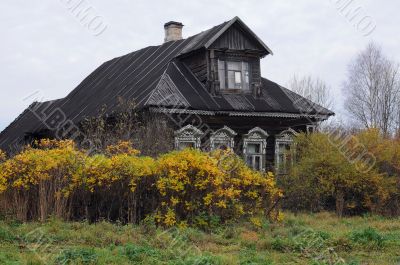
[303, 239]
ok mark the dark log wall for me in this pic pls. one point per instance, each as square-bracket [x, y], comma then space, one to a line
[242, 125]
[197, 63]
[255, 72]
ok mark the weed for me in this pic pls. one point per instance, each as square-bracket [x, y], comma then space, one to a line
[77, 255]
[6, 235]
[139, 253]
[368, 237]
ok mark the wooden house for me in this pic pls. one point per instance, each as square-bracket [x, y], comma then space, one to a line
[210, 85]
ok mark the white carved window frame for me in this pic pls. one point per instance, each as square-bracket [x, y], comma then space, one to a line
[311, 128]
[224, 136]
[285, 138]
[256, 136]
[189, 135]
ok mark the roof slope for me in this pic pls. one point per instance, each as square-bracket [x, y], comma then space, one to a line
[145, 76]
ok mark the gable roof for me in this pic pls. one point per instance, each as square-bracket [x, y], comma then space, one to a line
[207, 38]
[146, 76]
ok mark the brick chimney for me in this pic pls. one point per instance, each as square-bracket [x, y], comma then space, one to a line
[173, 31]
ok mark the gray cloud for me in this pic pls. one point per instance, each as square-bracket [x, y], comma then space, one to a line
[45, 48]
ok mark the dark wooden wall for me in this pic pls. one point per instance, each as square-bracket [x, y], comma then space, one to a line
[242, 125]
[236, 39]
[197, 63]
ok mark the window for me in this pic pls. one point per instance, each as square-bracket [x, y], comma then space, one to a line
[188, 137]
[283, 156]
[254, 148]
[234, 75]
[311, 128]
[223, 139]
[284, 151]
[254, 156]
[184, 145]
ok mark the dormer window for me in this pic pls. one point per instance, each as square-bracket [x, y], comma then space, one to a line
[234, 75]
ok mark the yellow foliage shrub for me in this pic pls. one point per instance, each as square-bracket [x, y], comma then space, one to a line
[193, 183]
[122, 147]
[50, 159]
[3, 181]
[336, 174]
[179, 188]
[2, 156]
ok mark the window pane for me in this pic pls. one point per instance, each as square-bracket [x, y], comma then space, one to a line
[281, 159]
[238, 80]
[221, 146]
[231, 79]
[246, 83]
[257, 162]
[238, 75]
[249, 161]
[253, 148]
[184, 145]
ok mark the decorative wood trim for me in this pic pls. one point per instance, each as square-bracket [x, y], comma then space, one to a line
[225, 136]
[256, 136]
[167, 94]
[239, 114]
[188, 134]
[286, 138]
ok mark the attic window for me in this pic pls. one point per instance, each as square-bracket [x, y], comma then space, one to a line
[234, 75]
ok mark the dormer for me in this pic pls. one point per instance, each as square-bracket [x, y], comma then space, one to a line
[227, 60]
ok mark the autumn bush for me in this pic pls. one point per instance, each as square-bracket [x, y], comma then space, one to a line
[196, 186]
[351, 175]
[186, 187]
[387, 154]
[34, 182]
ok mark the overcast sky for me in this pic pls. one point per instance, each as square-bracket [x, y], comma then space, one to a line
[45, 47]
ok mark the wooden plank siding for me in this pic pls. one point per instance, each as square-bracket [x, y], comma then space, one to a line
[236, 39]
[197, 63]
[242, 125]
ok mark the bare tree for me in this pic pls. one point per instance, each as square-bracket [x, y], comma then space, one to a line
[373, 89]
[313, 89]
[151, 133]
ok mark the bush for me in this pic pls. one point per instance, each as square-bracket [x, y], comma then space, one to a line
[327, 176]
[182, 188]
[205, 189]
[34, 181]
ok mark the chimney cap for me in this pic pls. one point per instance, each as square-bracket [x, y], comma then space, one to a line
[173, 23]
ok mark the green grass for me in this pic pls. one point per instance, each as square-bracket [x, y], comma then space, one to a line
[304, 239]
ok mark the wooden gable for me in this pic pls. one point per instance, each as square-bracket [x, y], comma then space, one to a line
[237, 38]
